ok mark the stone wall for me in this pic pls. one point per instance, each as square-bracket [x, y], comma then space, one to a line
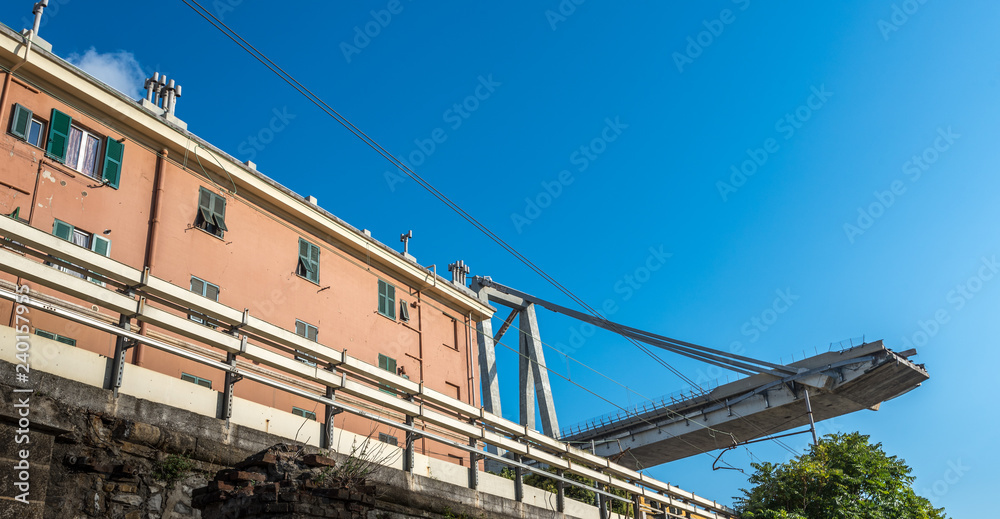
[94, 455]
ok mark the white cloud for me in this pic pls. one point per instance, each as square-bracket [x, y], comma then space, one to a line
[119, 69]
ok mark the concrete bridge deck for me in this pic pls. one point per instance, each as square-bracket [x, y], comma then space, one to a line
[838, 383]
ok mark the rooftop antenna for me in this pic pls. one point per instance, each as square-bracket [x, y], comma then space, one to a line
[37, 11]
[405, 238]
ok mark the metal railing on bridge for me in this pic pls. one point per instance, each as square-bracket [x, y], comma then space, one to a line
[135, 294]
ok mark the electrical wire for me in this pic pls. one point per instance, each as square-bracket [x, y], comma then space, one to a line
[178, 164]
[343, 121]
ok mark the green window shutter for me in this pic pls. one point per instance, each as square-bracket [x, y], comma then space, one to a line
[404, 311]
[101, 246]
[47, 335]
[391, 303]
[114, 152]
[62, 230]
[314, 258]
[205, 205]
[382, 299]
[22, 121]
[219, 211]
[387, 363]
[312, 333]
[300, 328]
[309, 256]
[58, 135]
[66, 340]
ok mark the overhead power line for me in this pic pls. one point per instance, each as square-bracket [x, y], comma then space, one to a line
[343, 121]
[370, 142]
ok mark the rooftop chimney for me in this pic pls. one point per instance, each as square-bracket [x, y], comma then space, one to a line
[32, 34]
[161, 97]
[459, 270]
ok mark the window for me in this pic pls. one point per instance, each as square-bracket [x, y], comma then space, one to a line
[98, 244]
[404, 311]
[204, 289]
[303, 413]
[36, 129]
[385, 438]
[203, 382]
[26, 126]
[386, 299]
[55, 337]
[81, 150]
[309, 332]
[211, 213]
[308, 266]
[388, 364]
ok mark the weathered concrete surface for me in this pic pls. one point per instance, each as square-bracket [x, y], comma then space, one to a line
[745, 409]
[94, 455]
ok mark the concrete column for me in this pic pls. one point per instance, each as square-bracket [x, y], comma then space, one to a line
[531, 345]
[560, 492]
[226, 404]
[525, 379]
[326, 434]
[518, 480]
[473, 465]
[117, 368]
[488, 380]
[408, 459]
[488, 367]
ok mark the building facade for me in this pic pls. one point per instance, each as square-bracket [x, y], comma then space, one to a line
[128, 181]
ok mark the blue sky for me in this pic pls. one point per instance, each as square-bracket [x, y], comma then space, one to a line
[829, 103]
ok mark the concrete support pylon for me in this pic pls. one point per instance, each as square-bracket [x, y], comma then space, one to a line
[488, 367]
[525, 378]
[537, 384]
[534, 376]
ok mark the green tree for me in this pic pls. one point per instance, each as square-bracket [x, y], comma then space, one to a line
[844, 477]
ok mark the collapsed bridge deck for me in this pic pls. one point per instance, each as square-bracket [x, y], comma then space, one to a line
[763, 404]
